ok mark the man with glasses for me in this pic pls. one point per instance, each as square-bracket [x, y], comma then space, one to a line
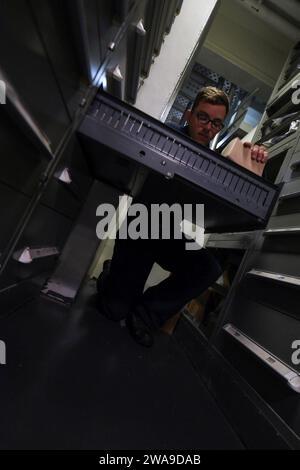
[206, 119]
[122, 281]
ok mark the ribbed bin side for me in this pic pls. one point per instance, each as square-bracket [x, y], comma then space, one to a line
[139, 138]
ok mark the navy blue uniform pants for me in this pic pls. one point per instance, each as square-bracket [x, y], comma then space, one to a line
[192, 272]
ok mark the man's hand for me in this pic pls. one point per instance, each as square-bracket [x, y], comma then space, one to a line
[259, 153]
[252, 157]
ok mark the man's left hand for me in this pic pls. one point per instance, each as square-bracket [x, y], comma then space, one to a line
[259, 153]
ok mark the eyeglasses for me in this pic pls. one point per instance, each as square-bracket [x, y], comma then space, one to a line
[203, 118]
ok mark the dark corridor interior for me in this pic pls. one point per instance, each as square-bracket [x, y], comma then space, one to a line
[75, 380]
[72, 138]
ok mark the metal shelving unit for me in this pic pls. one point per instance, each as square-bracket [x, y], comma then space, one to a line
[249, 361]
[261, 311]
[45, 183]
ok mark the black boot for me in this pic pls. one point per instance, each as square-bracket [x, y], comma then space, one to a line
[139, 331]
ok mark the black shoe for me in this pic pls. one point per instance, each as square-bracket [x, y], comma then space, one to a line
[138, 330]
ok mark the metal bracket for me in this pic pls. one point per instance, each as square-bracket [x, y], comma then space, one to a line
[295, 281]
[64, 176]
[292, 377]
[282, 231]
[27, 254]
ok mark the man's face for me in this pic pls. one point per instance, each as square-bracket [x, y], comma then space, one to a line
[201, 132]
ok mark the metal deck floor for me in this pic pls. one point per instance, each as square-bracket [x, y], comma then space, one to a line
[75, 380]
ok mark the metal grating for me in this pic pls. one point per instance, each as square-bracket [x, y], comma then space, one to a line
[182, 101]
[175, 116]
[201, 76]
[205, 72]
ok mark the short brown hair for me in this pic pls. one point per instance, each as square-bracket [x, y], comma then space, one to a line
[213, 95]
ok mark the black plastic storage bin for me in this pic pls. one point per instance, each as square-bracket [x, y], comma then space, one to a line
[122, 142]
